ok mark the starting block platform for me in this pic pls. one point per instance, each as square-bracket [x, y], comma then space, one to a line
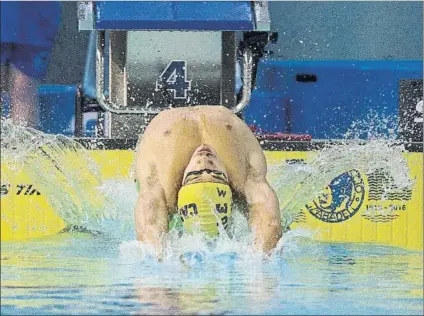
[174, 15]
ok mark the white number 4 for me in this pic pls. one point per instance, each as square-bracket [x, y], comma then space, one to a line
[173, 78]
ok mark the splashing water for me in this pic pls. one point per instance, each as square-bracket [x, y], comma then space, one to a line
[296, 185]
[375, 126]
[63, 171]
[71, 180]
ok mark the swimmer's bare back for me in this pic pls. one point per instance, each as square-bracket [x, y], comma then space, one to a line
[172, 136]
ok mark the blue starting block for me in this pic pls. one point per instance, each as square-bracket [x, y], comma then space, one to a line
[58, 105]
[148, 56]
[60, 111]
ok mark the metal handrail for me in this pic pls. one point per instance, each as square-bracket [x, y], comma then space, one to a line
[101, 99]
[247, 81]
[109, 106]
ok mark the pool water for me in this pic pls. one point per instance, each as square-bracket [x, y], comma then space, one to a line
[80, 273]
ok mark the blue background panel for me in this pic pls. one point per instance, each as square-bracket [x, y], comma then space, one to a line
[323, 98]
[174, 15]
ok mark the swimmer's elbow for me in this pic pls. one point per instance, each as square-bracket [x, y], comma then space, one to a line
[274, 224]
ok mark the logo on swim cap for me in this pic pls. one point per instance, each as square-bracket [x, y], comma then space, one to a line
[205, 206]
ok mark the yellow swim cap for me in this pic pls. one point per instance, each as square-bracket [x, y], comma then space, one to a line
[205, 205]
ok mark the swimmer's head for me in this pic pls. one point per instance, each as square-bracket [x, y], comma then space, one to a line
[205, 166]
[205, 198]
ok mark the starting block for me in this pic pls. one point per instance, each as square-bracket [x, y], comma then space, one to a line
[149, 56]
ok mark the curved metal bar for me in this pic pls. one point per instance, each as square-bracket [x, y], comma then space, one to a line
[101, 99]
[247, 81]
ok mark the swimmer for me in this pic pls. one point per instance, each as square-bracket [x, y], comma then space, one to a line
[196, 163]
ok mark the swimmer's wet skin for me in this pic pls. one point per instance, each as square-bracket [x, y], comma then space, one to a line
[192, 161]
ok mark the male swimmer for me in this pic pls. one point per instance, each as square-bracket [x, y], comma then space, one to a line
[196, 163]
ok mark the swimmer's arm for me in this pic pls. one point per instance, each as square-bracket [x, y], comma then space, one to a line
[151, 217]
[264, 214]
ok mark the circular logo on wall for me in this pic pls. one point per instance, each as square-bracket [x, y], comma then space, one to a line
[340, 200]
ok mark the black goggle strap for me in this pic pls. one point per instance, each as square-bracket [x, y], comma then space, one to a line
[218, 173]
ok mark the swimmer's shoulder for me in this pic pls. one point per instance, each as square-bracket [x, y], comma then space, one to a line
[176, 114]
[194, 109]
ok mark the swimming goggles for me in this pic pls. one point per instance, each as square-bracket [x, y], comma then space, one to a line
[208, 171]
